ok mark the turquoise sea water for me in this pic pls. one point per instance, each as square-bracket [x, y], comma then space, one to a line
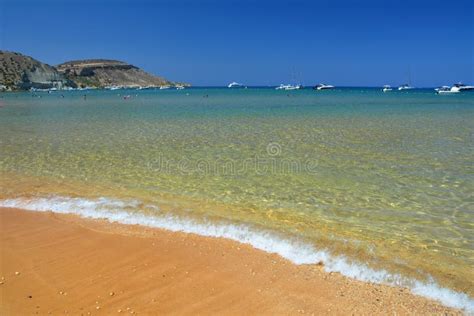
[382, 179]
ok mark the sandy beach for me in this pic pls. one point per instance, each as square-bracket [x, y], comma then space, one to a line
[63, 264]
[236, 158]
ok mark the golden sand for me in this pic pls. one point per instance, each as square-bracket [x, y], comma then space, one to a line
[62, 264]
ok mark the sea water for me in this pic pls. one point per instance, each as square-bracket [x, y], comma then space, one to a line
[377, 186]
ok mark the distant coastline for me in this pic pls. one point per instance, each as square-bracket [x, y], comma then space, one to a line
[19, 72]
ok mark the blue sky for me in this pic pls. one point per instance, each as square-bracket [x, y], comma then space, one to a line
[351, 43]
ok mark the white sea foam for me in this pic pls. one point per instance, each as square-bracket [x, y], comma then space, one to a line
[294, 250]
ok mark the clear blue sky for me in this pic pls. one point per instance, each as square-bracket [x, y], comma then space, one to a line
[254, 42]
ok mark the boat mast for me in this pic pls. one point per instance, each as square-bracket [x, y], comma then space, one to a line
[409, 76]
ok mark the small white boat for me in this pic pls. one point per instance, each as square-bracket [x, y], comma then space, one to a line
[405, 87]
[445, 90]
[146, 87]
[179, 87]
[455, 88]
[459, 87]
[164, 87]
[234, 85]
[289, 87]
[283, 87]
[323, 86]
[387, 88]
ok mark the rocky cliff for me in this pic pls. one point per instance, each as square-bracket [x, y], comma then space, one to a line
[103, 73]
[20, 72]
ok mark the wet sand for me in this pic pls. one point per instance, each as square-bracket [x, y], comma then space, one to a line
[62, 264]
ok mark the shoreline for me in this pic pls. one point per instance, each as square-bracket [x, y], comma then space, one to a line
[103, 268]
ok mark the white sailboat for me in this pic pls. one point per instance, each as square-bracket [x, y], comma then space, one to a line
[283, 87]
[296, 86]
[406, 86]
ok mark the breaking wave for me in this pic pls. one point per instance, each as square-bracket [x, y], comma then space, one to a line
[295, 250]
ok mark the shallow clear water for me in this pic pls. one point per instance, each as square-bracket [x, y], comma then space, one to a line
[386, 179]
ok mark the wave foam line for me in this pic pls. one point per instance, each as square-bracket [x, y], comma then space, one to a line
[294, 250]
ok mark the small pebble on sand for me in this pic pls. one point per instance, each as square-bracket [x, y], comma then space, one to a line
[97, 307]
[17, 273]
[119, 311]
[111, 293]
